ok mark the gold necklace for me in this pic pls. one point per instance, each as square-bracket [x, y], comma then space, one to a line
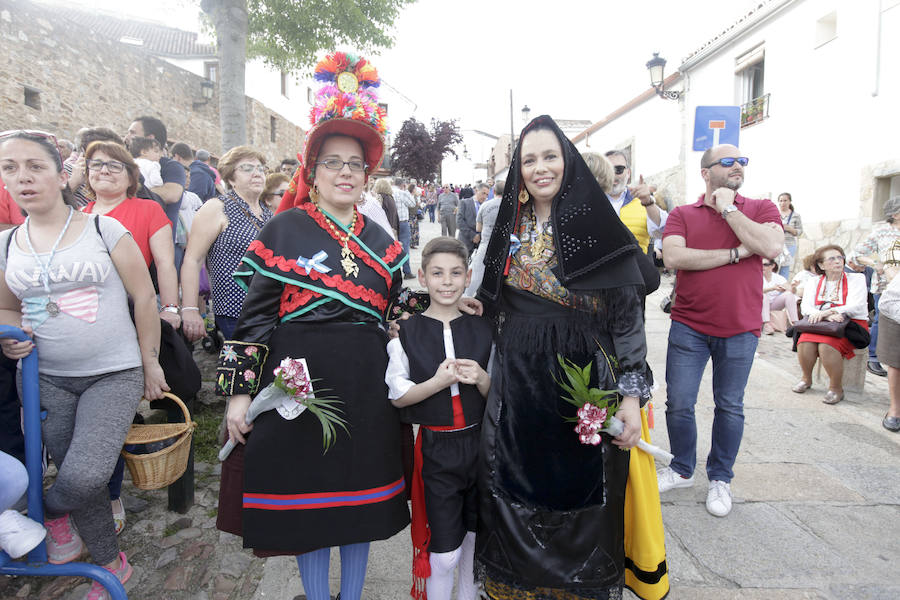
[351, 269]
[538, 238]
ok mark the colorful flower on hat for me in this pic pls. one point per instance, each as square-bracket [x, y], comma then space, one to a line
[347, 94]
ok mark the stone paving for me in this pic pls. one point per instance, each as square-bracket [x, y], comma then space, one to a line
[816, 514]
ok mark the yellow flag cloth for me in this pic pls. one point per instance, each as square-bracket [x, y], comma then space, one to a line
[646, 572]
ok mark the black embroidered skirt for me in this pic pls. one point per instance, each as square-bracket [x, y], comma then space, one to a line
[551, 519]
[295, 498]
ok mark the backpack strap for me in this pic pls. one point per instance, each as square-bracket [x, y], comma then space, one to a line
[12, 233]
[100, 233]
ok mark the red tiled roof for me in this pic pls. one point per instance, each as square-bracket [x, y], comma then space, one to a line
[639, 99]
[157, 39]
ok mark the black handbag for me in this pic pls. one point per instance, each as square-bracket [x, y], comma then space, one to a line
[823, 327]
[856, 334]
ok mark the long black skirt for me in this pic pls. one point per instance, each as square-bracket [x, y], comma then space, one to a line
[295, 498]
[551, 513]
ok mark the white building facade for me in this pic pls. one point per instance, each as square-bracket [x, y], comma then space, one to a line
[819, 86]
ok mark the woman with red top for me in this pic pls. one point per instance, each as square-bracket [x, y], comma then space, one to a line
[112, 178]
[832, 296]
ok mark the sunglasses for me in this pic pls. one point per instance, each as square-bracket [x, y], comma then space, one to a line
[727, 162]
[34, 133]
[619, 169]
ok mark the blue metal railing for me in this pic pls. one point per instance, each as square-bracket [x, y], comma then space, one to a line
[37, 564]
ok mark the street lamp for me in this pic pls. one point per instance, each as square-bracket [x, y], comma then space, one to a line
[525, 112]
[207, 88]
[657, 67]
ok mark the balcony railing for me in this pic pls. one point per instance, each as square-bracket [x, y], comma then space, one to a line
[755, 111]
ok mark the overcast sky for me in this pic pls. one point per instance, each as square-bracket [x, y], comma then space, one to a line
[458, 59]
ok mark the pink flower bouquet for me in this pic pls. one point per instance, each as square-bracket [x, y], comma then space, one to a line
[291, 394]
[596, 409]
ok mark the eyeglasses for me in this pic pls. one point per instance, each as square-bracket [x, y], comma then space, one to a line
[34, 133]
[619, 169]
[768, 264]
[829, 259]
[247, 168]
[113, 166]
[336, 164]
[278, 193]
[728, 162]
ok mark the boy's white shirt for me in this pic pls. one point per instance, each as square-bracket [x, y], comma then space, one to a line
[397, 375]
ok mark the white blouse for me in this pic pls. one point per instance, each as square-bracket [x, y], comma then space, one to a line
[856, 306]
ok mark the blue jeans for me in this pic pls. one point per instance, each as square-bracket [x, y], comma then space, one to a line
[785, 270]
[732, 357]
[404, 234]
[431, 208]
[873, 331]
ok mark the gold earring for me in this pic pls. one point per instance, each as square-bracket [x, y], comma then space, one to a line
[523, 196]
[314, 195]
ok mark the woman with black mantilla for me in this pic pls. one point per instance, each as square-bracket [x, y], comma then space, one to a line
[562, 275]
[320, 278]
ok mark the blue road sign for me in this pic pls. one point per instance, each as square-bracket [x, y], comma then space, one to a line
[714, 125]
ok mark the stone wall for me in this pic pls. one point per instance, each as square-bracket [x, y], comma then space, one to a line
[87, 80]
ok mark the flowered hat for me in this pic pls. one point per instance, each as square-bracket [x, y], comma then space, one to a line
[346, 104]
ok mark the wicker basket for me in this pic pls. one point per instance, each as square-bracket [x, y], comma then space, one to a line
[160, 469]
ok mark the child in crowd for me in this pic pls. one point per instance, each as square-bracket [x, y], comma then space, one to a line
[146, 153]
[18, 534]
[437, 377]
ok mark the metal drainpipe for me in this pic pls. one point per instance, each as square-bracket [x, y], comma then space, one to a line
[878, 49]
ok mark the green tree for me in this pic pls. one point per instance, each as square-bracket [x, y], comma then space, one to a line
[287, 35]
[418, 152]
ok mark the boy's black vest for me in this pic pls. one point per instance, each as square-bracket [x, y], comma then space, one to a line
[423, 341]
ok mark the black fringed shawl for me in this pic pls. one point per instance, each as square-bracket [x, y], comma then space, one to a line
[594, 249]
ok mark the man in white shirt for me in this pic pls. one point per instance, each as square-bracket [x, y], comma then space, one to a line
[404, 202]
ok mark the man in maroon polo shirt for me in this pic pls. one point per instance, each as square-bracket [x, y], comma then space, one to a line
[717, 245]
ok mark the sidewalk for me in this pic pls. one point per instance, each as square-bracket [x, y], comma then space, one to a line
[817, 497]
[816, 513]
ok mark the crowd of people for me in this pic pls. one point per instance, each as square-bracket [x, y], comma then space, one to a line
[124, 242]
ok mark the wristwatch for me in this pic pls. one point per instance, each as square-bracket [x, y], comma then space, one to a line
[648, 203]
[728, 210]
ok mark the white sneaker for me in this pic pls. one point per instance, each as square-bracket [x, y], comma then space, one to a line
[19, 535]
[667, 479]
[718, 500]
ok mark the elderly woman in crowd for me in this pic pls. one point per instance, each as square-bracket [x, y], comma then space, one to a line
[222, 230]
[552, 298]
[601, 169]
[834, 295]
[65, 278]
[320, 280]
[276, 186]
[776, 296]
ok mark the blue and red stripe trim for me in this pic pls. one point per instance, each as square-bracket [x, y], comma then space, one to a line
[323, 499]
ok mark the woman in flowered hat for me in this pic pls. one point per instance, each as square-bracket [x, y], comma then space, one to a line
[320, 281]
